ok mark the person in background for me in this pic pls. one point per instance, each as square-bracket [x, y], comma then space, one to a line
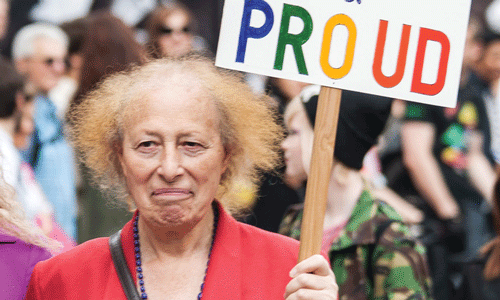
[16, 128]
[439, 146]
[16, 106]
[276, 191]
[172, 32]
[173, 137]
[492, 16]
[481, 276]
[67, 87]
[22, 245]
[107, 46]
[4, 17]
[491, 251]
[484, 91]
[39, 52]
[371, 251]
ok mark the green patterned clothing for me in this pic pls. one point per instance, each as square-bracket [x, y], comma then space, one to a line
[397, 268]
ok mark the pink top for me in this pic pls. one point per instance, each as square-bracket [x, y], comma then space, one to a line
[330, 235]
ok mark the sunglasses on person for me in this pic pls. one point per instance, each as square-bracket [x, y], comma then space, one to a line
[50, 61]
[168, 31]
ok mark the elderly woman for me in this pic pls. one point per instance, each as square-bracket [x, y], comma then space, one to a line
[372, 253]
[173, 137]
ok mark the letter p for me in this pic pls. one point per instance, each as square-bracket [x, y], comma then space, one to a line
[247, 31]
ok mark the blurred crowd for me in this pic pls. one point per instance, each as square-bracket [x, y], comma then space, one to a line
[435, 166]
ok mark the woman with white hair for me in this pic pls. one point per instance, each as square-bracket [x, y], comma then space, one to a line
[173, 137]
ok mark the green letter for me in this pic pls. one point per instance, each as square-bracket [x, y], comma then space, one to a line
[297, 40]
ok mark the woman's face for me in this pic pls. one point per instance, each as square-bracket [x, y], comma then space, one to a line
[298, 127]
[172, 156]
[176, 39]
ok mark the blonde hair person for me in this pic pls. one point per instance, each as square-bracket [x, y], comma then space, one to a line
[13, 221]
[174, 137]
[22, 245]
[368, 244]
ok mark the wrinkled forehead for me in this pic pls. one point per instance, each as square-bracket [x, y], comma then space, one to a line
[178, 91]
[169, 83]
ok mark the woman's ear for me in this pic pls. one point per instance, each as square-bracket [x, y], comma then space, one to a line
[118, 149]
[226, 160]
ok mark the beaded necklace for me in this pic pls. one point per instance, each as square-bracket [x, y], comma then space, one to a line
[138, 263]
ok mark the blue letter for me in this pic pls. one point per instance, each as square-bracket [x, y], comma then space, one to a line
[247, 32]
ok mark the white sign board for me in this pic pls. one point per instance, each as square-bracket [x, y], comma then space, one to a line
[405, 49]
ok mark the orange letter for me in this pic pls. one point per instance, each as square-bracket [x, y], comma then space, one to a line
[430, 89]
[392, 81]
[337, 73]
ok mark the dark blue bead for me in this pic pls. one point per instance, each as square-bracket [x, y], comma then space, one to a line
[139, 269]
[144, 296]
[141, 282]
[135, 229]
[136, 236]
[143, 289]
[135, 223]
[199, 296]
[137, 249]
[138, 256]
[138, 263]
[140, 276]
[136, 243]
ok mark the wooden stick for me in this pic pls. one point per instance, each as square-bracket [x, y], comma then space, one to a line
[325, 131]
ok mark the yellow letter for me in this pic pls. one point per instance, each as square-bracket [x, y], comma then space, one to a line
[337, 73]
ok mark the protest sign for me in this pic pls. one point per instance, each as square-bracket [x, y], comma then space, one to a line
[405, 49]
[409, 49]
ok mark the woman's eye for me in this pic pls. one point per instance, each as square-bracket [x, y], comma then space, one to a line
[146, 145]
[192, 146]
[293, 132]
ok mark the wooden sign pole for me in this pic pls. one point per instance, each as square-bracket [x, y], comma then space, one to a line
[325, 131]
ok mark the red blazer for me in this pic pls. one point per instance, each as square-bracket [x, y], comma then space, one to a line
[246, 263]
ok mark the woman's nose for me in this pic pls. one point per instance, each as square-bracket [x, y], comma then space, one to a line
[171, 166]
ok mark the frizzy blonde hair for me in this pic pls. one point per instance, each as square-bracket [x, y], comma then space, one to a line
[14, 223]
[249, 131]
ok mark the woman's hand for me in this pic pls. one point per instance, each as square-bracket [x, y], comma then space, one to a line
[312, 279]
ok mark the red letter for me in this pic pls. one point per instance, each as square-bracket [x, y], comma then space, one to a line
[430, 89]
[392, 81]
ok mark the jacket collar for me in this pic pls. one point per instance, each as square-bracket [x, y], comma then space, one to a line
[224, 268]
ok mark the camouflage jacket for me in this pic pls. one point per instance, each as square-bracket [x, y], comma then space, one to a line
[398, 263]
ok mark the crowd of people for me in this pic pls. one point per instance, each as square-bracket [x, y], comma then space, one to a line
[115, 124]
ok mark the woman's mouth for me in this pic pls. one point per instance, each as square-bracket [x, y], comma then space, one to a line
[172, 193]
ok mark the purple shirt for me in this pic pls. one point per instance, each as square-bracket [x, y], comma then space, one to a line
[17, 260]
